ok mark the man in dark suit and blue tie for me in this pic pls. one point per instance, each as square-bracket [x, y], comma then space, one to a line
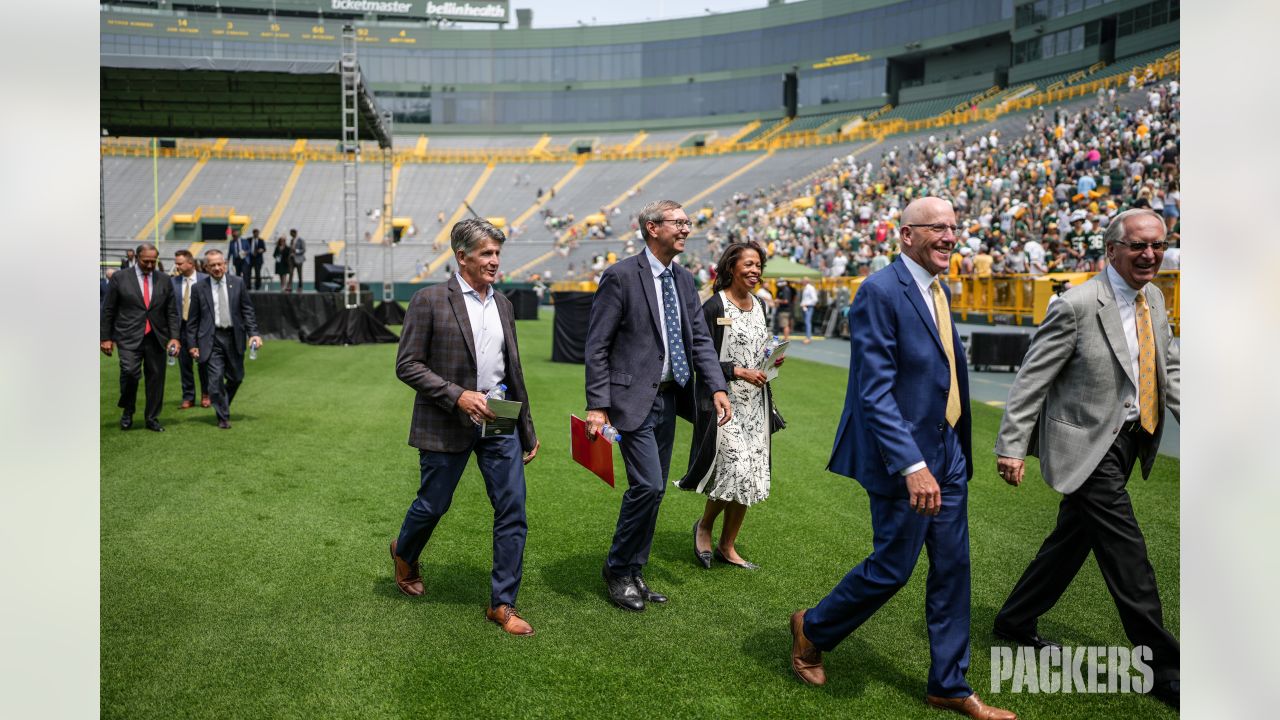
[904, 435]
[221, 320]
[645, 335]
[139, 318]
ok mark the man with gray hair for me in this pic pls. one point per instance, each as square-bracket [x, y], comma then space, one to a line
[458, 344]
[1090, 402]
[645, 337]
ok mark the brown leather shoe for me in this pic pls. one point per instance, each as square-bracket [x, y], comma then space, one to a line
[509, 620]
[204, 401]
[806, 660]
[408, 579]
[971, 706]
[186, 404]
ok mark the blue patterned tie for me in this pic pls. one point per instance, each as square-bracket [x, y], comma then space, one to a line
[675, 342]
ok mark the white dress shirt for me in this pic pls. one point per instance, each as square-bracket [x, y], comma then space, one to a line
[656, 268]
[924, 283]
[486, 331]
[1126, 302]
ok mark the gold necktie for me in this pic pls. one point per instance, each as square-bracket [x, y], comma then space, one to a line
[944, 333]
[1147, 405]
[186, 300]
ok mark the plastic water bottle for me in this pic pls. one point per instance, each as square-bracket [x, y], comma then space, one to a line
[772, 345]
[173, 358]
[610, 433]
[253, 350]
[498, 393]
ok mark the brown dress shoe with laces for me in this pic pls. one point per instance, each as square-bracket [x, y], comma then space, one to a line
[971, 706]
[204, 401]
[509, 620]
[408, 579]
[187, 404]
[806, 659]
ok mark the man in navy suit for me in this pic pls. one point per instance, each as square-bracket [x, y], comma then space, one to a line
[904, 435]
[183, 284]
[257, 249]
[140, 319]
[221, 318]
[645, 336]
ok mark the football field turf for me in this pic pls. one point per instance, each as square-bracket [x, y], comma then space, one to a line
[245, 573]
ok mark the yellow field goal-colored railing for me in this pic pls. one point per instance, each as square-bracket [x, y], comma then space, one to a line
[1008, 299]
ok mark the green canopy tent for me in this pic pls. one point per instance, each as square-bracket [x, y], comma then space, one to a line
[780, 267]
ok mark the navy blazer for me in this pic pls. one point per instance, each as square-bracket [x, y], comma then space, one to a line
[624, 351]
[177, 294]
[200, 323]
[896, 403]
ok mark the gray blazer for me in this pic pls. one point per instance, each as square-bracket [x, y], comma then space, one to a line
[624, 341]
[1069, 400]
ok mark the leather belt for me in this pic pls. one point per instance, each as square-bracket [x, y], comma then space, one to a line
[1132, 427]
[667, 386]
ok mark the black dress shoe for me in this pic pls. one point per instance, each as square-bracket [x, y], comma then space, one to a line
[645, 591]
[704, 556]
[155, 426]
[1022, 637]
[224, 424]
[623, 591]
[745, 565]
[126, 422]
[1168, 693]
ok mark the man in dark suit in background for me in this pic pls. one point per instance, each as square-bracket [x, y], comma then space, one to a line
[297, 258]
[238, 251]
[139, 317]
[458, 343]
[905, 436]
[257, 254]
[645, 335]
[221, 318]
[183, 285]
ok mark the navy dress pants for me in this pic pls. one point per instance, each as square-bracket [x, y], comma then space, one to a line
[646, 453]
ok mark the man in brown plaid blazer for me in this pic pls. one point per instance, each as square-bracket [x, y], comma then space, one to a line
[458, 343]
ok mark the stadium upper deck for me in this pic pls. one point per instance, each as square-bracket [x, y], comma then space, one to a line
[720, 70]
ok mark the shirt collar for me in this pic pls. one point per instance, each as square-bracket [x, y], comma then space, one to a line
[922, 277]
[1120, 287]
[466, 288]
[654, 266]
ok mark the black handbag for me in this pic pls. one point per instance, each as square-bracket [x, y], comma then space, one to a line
[776, 422]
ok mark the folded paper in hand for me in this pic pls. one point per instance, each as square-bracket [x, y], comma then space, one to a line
[508, 412]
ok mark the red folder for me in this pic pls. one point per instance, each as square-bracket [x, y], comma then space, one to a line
[595, 455]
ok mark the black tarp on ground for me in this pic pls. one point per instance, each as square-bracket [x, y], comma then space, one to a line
[291, 316]
[569, 339]
[355, 326]
[389, 312]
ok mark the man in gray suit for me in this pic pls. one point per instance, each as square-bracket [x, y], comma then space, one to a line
[1090, 401]
[645, 336]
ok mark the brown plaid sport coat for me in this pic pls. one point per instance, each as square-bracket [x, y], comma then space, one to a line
[437, 358]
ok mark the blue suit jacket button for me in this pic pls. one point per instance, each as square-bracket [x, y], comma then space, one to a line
[939, 427]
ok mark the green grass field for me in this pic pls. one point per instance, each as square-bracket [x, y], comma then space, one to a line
[245, 573]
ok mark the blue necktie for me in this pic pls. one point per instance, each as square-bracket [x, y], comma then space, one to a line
[675, 342]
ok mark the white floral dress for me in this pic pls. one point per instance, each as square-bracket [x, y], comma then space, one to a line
[741, 471]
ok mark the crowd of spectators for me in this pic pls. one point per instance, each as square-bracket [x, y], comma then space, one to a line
[1035, 204]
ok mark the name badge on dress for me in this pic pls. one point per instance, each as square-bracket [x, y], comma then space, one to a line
[724, 321]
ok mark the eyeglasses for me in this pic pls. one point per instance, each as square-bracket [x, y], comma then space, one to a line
[678, 223]
[938, 228]
[1141, 246]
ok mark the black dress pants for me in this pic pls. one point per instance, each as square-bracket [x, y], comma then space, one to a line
[1098, 518]
[226, 372]
[145, 361]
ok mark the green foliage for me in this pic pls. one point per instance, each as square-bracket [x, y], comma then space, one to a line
[245, 573]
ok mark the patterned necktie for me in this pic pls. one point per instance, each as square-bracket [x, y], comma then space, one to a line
[1147, 406]
[146, 299]
[186, 300]
[675, 342]
[224, 307]
[944, 333]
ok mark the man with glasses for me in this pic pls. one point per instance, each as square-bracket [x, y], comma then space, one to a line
[1090, 402]
[905, 437]
[645, 337]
